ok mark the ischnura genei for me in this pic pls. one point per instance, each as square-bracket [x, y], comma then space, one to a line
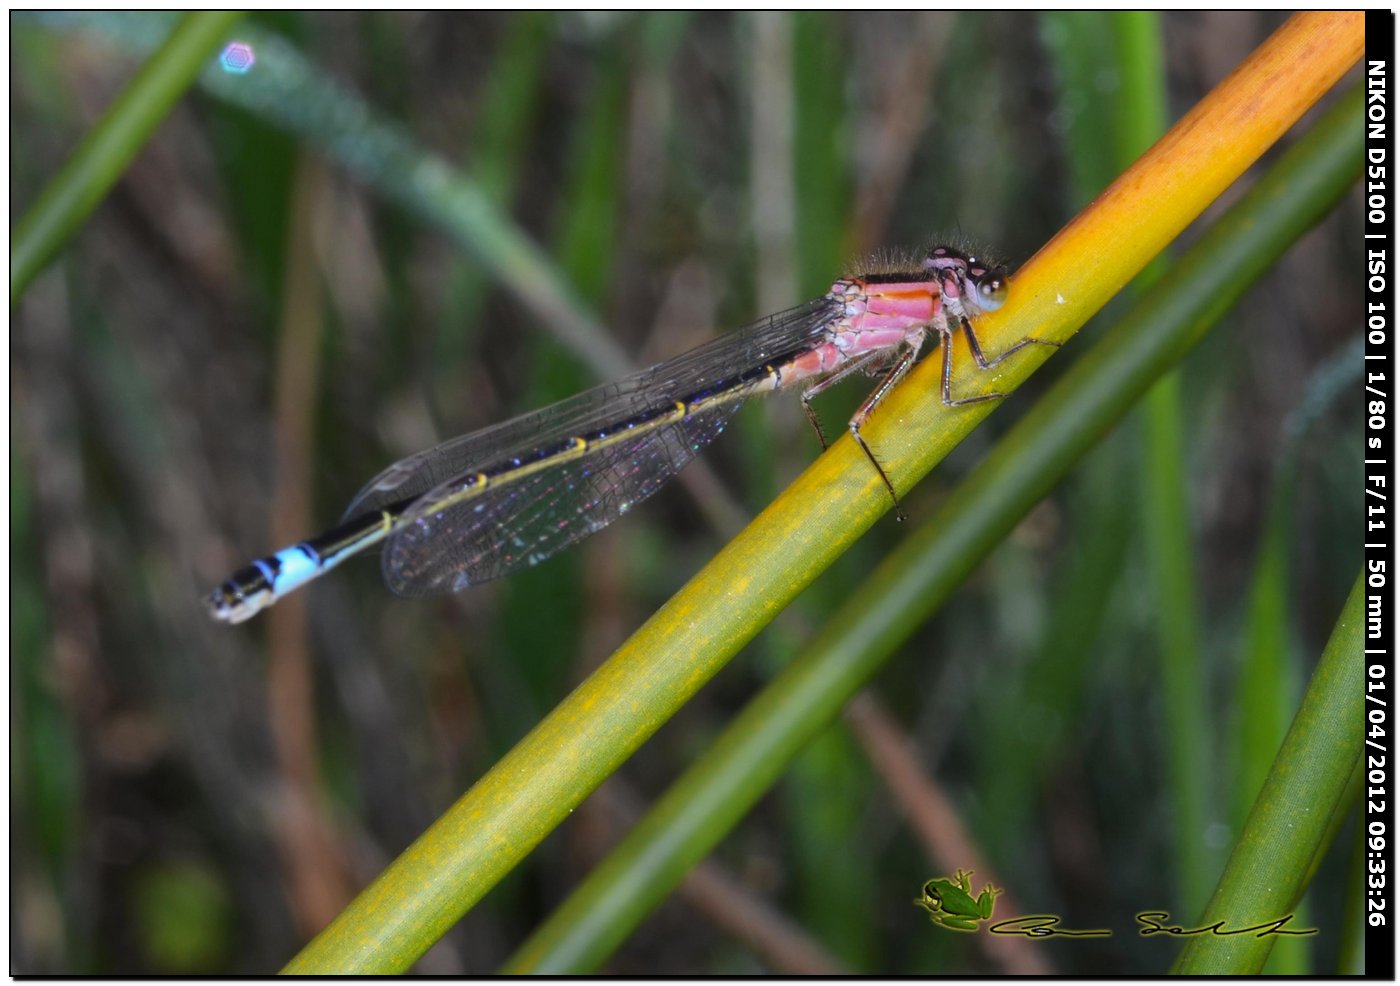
[509, 496]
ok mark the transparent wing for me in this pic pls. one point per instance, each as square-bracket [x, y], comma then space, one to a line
[518, 524]
[634, 396]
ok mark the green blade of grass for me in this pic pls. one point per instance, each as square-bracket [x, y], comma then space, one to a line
[1275, 857]
[1166, 519]
[110, 146]
[912, 583]
[292, 94]
[1270, 680]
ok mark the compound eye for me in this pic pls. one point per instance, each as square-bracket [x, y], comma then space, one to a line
[992, 290]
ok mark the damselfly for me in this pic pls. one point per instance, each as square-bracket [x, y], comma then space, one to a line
[507, 497]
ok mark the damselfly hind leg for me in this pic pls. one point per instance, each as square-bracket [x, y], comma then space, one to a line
[826, 382]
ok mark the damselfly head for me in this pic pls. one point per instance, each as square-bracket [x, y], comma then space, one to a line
[969, 283]
[946, 258]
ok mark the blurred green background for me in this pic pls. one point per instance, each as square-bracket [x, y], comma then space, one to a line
[400, 227]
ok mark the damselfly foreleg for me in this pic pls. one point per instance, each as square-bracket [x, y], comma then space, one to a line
[982, 361]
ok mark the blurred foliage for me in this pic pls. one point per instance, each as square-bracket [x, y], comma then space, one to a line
[182, 917]
[150, 803]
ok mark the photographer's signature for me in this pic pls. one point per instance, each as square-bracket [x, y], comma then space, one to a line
[950, 904]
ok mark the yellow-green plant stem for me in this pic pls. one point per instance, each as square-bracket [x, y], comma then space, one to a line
[1286, 832]
[110, 146]
[906, 589]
